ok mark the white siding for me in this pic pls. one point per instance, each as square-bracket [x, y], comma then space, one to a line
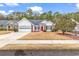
[49, 25]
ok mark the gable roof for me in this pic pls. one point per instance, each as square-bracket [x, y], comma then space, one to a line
[74, 21]
[24, 22]
[47, 22]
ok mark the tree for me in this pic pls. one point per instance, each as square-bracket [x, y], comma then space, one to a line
[10, 17]
[36, 15]
[49, 15]
[65, 24]
[2, 17]
[29, 13]
[14, 16]
[43, 16]
[57, 16]
[74, 15]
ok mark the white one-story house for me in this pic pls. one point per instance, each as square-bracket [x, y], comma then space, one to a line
[25, 25]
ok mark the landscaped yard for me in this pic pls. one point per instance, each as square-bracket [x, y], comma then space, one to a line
[49, 36]
[4, 32]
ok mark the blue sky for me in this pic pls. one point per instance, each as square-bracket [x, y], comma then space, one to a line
[7, 8]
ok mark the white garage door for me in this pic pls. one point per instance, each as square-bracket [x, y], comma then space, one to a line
[24, 29]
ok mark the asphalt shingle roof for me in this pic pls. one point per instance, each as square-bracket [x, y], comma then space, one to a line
[3, 22]
[7, 22]
[35, 22]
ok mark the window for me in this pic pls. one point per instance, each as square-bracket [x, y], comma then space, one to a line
[48, 27]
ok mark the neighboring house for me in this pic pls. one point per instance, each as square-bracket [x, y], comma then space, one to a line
[12, 25]
[25, 25]
[76, 29]
[3, 24]
[8, 24]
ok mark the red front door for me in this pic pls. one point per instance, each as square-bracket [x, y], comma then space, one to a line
[42, 29]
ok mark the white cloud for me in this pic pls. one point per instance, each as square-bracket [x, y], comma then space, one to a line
[37, 8]
[77, 5]
[1, 4]
[10, 11]
[3, 12]
[6, 13]
[11, 4]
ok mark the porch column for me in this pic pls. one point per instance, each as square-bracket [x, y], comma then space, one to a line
[32, 28]
[43, 27]
[40, 28]
[7, 28]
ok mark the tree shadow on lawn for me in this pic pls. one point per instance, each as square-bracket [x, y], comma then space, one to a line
[70, 35]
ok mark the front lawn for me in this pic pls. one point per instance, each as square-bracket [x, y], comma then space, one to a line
[47, 36]
[40, 47]
[4, 32]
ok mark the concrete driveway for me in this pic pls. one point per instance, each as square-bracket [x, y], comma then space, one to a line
[7, 38]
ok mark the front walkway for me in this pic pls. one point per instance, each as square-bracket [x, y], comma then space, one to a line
[45, 42]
